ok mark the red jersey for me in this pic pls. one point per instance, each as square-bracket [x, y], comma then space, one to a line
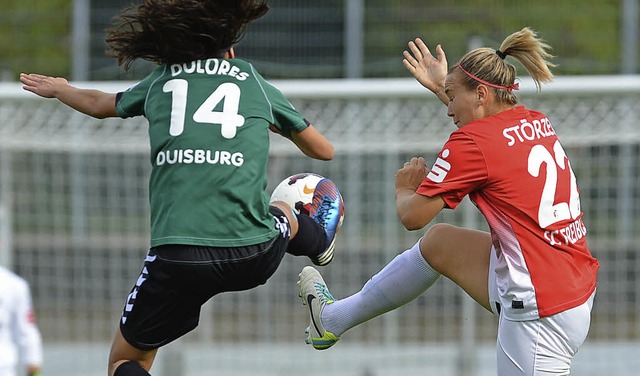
[514, 169]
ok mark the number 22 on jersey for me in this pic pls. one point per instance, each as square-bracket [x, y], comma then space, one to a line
[549, 212]
[229, 119]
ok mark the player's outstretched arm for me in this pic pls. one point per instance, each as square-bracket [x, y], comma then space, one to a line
[428, 70]
[91, 102]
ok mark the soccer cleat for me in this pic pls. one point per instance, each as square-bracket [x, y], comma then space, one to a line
[327, 209]
[315, 295]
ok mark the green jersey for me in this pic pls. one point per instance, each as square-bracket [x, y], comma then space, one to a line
[209, 133]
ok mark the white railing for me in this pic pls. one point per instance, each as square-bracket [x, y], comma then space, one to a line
[74, 192]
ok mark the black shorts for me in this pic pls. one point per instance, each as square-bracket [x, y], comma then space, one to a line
[176, 280]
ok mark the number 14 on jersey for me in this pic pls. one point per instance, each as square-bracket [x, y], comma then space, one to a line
[229, 119]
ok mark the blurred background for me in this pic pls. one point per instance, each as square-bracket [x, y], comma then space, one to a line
[73, 190]
[333, 38]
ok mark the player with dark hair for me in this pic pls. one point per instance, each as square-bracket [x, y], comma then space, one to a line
[209, 114]
[533, 269]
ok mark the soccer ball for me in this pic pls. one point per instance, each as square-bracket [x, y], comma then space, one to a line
[312, 195]
[298, 191]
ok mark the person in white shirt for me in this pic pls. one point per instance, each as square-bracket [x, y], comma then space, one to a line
[20, 338]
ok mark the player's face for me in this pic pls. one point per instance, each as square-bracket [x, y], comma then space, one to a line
[462, 101]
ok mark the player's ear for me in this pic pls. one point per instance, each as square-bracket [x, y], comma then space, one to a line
[482, 94]
[231, 53]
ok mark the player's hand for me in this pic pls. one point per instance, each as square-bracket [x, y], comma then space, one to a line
[43, 86]
[428, 70]
[412, 174]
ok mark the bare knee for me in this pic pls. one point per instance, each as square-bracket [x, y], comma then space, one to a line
[122, 352]
[462, 255]
[433, 246]
[453, 250]
[114, 365]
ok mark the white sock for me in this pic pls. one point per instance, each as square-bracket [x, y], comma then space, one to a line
[402, 280]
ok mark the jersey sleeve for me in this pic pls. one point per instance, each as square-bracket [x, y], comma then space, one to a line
[285, 117]
[131, 102]
[28, 336]
[459, 169]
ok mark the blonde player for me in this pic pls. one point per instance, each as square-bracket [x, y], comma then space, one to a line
[533, 269]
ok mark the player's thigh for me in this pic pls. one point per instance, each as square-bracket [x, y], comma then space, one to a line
[526, 348]
[462, 255]
[544, 346]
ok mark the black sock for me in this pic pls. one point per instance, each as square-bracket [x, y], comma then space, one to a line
[310, 240]
[130, 368]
